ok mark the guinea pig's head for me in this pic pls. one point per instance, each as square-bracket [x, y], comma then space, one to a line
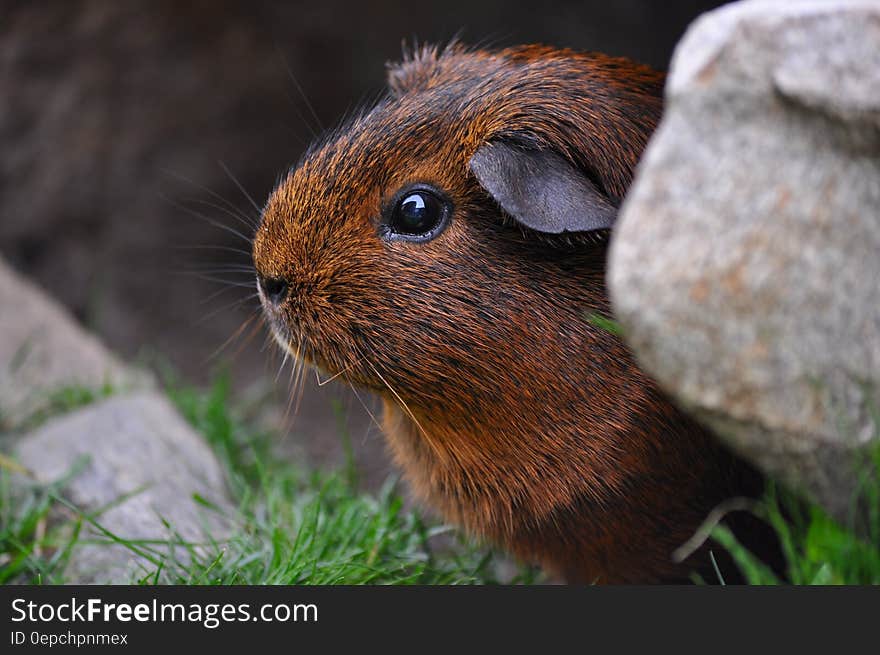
[448, 231]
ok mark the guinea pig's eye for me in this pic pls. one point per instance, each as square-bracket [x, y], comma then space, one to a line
[417, 215]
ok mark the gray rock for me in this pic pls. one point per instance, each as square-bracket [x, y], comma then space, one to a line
[145, 464]
[42, 349]
[745, 268]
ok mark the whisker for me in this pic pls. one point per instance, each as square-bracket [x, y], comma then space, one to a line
[222, 248]
[396, 395]
[291, 382]
[283, 362]
[241, 188]
[270, 340]
[302, 94]
[231, 206]
[241, 217]
[289, 129]
[366, 409]
[234, 335]
[219, 293]
[225, 308]
[302, 387]
[302, 119]
[321, 382]
[209, 278]
[207, 268]
[211, 268]
[207, 219]
[255, 329]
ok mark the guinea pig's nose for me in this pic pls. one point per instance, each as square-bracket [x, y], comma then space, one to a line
[274, 288]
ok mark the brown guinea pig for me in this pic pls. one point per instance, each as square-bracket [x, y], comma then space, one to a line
[446, 249]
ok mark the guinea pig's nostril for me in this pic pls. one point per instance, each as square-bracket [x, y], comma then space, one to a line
[274, 288]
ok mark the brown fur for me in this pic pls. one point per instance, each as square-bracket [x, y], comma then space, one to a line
[508, 410]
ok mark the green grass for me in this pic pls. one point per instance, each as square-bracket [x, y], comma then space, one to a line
[818, 550]
[605, 323]
[35, 541]
[63, 400]
[22, 515]
[291, 526]
[301, 527]
[37, 529]
[294, 526]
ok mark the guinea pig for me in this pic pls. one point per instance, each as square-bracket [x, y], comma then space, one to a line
[446, 250]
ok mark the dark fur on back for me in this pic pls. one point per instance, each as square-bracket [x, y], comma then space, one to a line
[507, 408]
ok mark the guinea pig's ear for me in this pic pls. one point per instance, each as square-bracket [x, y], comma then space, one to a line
[541, 190]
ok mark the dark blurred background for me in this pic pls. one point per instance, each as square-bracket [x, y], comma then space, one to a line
[116, 116]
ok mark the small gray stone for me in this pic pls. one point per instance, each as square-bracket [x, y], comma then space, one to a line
[142, 453]
[42, 349]
[745, 267]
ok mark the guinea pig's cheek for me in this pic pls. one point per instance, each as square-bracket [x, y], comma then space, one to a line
[279, 328]
[281, 339]
[272, 313]
[277, 321]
